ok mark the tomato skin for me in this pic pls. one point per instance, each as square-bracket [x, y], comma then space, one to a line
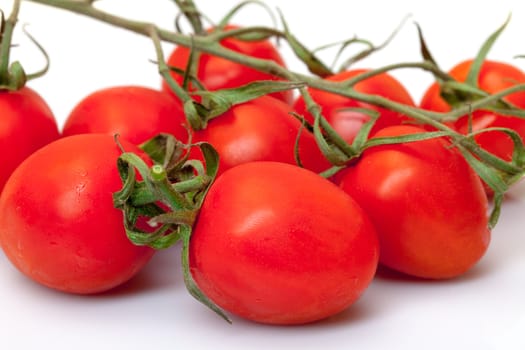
[60, 228]
[219, 73]
[27, 124]
[427, 204]
[136, 113]
[494, 76]
[261, 130]
[347, 123]
[292, 249]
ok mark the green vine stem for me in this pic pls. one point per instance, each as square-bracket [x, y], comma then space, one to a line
[42, 71]
[8, 26]
[370, 48]
[190, 110]
[493, 170]
[209, 44]
[227, 18]
[12, 76]
[213, 104]
[189, 10]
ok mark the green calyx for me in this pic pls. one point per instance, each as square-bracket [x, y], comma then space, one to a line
[160, 203]
[168, 193]
[458, 94]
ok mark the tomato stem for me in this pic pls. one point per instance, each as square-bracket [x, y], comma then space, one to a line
[12, 76]
[8, 26]
[190, 110]
[227, 18]
[210, 44]
[44, 70]
[191, 286]
[193, 15]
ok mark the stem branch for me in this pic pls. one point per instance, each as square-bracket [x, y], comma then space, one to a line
[211, 44]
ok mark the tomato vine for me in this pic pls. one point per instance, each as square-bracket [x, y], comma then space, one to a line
[494, 171]
[180, 185]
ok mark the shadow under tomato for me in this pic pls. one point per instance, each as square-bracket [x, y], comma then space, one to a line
[389, 275]
[162, 271]
[352, 315]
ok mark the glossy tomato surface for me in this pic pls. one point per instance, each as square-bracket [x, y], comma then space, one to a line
[219, 73]
[347, 123]
[493, 77]
[427, 204]
[278, 244]
[261, 130]
[136, 113]
[58, 225]
[27, 123]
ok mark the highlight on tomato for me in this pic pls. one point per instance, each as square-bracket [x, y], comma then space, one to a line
[58, 224]
[219, 73]
[136, 113]
[278, 244]
[261, 129]
[494, 76]
[426, 203]
[338, 111]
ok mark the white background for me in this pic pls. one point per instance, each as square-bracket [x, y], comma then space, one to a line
[482, 310]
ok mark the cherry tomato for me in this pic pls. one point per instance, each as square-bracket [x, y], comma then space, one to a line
[347, 123]
[219, 73]
[27, 124]
[426, 202]
[275, 243]
[136, 113]
[493, 77]
[261, 129]
[58, 225]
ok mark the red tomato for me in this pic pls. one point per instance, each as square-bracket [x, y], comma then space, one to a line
[58, 225]
[427, 204]
[218, 73]
[261, 129]
[278, 244]
[493, 77]
[27, 124]
[346, 122]
[136, 113]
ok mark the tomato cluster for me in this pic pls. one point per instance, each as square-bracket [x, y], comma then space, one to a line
[273, 241]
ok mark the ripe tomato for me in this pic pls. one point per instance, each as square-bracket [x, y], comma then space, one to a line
[427, 204]
[293, 248]
[137, 113]
[347, 122]
[27, 124]
[58, 225]
[493, 77]
[261, 129]
[218, 73]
